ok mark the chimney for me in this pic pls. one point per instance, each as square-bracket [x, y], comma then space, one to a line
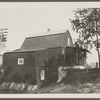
[48, 30]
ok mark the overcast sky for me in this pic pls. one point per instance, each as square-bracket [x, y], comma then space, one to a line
[24, 19]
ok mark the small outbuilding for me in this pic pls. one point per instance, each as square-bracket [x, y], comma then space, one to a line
[38, 59]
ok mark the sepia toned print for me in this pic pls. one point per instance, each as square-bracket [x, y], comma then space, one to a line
[49, 48]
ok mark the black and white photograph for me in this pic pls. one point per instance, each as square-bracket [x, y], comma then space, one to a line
[50, 48]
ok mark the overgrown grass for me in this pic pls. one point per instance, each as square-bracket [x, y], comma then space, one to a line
[74, 82]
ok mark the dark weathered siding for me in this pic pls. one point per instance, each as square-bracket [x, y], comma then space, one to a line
[75, 56]
[69, 56]
[49, 60]
[20, 73]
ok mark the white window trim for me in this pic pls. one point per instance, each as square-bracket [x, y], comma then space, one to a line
[42, 75]
[20, 61]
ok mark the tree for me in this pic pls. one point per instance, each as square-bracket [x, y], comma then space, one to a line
[86, 23]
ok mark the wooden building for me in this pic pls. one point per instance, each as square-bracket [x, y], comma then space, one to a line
[38, 59]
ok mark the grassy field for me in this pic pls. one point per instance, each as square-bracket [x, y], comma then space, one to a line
[88, 87]
[89, 83]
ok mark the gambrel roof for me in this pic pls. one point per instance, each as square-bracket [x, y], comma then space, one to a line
[57, 39]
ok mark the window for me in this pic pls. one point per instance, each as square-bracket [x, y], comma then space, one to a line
[20, 61]
[68, 41]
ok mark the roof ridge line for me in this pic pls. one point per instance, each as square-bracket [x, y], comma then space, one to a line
[48, 34]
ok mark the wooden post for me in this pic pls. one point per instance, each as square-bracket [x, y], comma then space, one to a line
[63, 52]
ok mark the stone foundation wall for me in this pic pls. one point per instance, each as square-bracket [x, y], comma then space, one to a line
[61, 73]
[18, 86]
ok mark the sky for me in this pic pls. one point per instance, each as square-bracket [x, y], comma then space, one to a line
[24, 19]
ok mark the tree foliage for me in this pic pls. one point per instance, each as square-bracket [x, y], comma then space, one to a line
[4, 38]
[86, 22]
